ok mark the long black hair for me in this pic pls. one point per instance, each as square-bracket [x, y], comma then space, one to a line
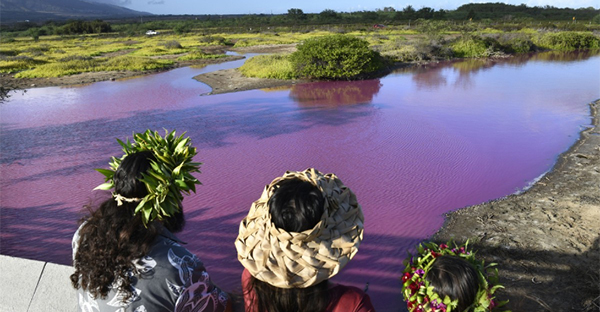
[456, 278]
[114, 236]
[295, 206]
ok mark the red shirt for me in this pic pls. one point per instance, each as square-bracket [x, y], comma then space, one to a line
[341, 298]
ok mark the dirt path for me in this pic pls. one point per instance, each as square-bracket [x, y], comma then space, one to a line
[546, 240]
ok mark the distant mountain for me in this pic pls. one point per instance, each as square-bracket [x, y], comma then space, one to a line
[40, 10]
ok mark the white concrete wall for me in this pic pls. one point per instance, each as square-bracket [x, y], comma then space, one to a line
[29, 285]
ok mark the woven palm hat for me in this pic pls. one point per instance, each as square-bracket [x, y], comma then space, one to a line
[302, 259]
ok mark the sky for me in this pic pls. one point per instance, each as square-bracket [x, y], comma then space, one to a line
[314, 6]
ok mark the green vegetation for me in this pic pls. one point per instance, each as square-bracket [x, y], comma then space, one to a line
[473, 30]
[276, 66]
[474, 46]
[78, 65]
[199, 55]
[569, 41]
[335, 57]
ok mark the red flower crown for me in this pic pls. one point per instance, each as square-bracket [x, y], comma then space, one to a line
[420, 296]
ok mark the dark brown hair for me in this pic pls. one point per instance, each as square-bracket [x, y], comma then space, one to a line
[456, 278]
[112, 236]
[295, 206]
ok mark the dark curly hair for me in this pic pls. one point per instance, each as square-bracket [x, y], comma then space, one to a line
[295, 206]
[112, 237]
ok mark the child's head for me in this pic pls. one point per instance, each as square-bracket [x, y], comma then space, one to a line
[456, 278]
[448, 277]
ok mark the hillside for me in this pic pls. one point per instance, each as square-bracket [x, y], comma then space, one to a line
[40, 10]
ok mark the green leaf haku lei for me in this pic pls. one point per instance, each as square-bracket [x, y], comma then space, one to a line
[167, 177]
[420, 296]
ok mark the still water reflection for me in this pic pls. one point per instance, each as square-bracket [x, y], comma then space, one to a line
[412, 145]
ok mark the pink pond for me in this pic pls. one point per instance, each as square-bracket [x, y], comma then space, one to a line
[413, 146]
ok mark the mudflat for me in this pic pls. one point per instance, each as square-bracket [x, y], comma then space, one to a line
[544, 240]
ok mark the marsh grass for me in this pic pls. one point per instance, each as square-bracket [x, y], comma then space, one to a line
[199, 55]
[80, 65]
[475, 46]
[276, 66]
[53, 56]
[568, 41]
[11, 64]
[59, 69]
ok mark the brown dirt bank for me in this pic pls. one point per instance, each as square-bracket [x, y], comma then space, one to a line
[545, 240]
[231, 80]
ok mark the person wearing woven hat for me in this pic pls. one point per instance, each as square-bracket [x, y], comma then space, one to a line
[302, 231]
[125, 254]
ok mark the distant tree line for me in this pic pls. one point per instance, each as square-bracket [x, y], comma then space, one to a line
[296, 16]
[387, 15]
[72, 27]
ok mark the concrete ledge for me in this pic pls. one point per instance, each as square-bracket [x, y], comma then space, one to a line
[30, 285]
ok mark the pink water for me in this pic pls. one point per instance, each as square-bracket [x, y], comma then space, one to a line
[412, 145]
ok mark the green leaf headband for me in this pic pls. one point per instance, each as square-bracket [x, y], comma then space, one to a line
[420, 296]
[167, 177]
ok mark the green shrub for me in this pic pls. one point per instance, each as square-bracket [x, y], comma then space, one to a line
[516, 43]
[214, 40]
[276, 66]
[78, 65]
[172, 44]
[569, 41]
[335, 57]
[199, 55]
[10, 64]
[132, 63]
[59, 69]
[474, 46]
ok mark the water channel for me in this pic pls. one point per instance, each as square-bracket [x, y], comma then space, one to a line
[412, 145]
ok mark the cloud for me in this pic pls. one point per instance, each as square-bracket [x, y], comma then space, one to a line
[156, 2]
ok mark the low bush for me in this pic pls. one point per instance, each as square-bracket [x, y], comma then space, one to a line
[132, 63]
[75, 58]
[59, 69]
[214, 40]
[172, 44]
[516, 43]
[276, 66]
[568, 41]
[11, 64]
[335, 57]
[82, 65]
[422, 49]
[199, 55]
[155, 51]
[474, 46]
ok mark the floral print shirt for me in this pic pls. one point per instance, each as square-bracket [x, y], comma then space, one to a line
[170, 279]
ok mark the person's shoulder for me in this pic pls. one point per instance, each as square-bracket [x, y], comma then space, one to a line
[349, 291]
[350, 298]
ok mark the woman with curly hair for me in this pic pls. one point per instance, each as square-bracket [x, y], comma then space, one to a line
[131, 261]
[302, 231]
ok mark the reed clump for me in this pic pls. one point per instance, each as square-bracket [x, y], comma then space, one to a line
[568, 41]
[277, 66]
[75, 65]
[199, 55]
